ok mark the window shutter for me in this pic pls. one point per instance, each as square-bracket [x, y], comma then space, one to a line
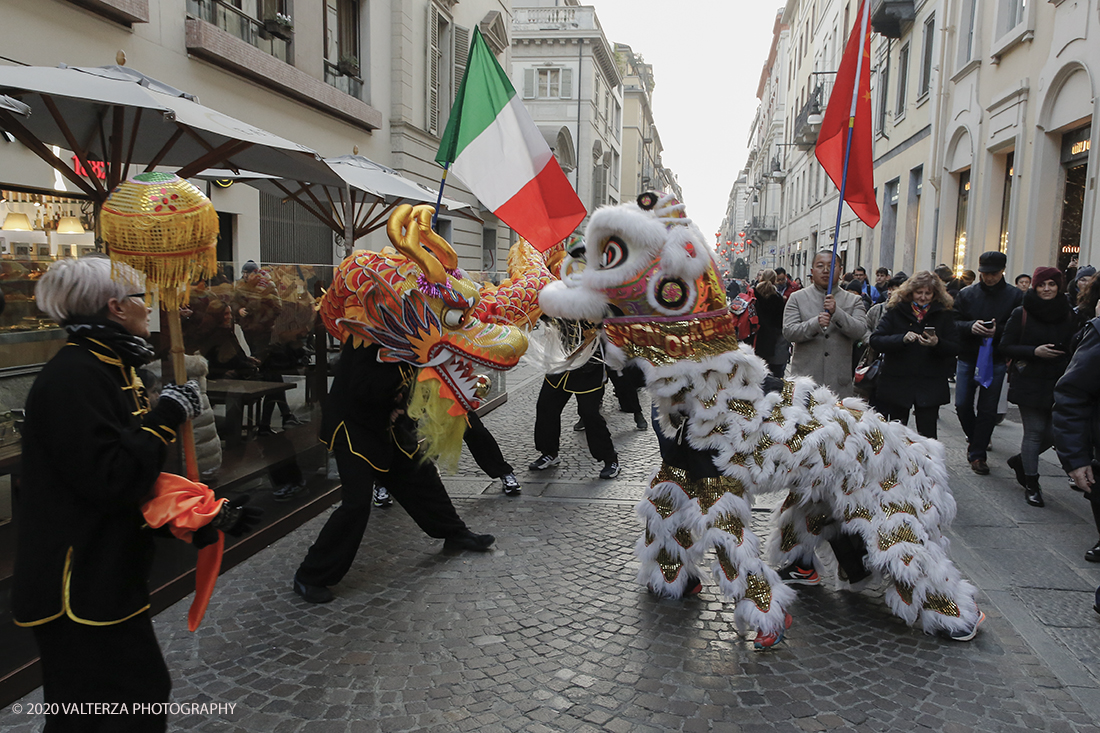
[566, 83]
[462, 55]
[528, 83]
[432, 121]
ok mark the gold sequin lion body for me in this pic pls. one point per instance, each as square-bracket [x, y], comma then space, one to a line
[651, 280]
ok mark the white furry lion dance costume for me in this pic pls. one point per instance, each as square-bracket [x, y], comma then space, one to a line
[652, 281]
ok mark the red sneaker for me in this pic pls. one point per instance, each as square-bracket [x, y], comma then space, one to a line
[767, 641]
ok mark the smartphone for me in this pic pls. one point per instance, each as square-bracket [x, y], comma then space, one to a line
[988, 324]
[929, 330]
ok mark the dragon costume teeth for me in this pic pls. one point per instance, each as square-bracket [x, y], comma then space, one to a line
[726, 438]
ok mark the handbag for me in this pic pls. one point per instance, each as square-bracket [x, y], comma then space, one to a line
[866, 373]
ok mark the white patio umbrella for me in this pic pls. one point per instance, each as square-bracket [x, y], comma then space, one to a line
[368, 190]
[128, 119]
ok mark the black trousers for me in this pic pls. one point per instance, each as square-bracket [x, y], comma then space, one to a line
[626, 385]
[548, 409]
[415, 485]
[483, 447]
[120, 663]
[926, 417]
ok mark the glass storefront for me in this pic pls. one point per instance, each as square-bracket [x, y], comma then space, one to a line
[958, 262]
[1075, 156]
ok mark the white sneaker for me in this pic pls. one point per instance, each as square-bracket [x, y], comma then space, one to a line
[382, 497]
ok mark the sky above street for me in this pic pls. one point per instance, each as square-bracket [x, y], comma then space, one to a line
[706, 57]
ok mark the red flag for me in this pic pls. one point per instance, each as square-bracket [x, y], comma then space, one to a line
[859, 191]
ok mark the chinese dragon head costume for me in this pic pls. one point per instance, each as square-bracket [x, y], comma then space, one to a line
[421, 309]
[729, 430]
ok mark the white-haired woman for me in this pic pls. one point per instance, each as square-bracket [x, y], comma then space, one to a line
[92, 450]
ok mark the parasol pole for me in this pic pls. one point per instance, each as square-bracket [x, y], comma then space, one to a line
[179, 373]
[439, 198]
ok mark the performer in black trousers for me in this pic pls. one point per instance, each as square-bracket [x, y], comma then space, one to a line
[486, 452]
[627, 382]
[586, 382]
[365, 426]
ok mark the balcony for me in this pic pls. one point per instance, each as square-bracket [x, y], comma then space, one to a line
[776, 173]
[808, 122]
[346, 83]
[269, 37]
[555, 19]
[762, 228]
[891, 18]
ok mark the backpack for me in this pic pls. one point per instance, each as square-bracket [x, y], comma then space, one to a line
[743, 310]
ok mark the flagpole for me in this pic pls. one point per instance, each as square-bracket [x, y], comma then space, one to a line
[439, 198]
[848, 144]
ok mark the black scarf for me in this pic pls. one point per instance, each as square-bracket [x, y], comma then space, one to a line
[1055, 310]
[134, 351]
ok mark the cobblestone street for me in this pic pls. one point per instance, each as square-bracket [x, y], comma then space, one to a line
[549, 631]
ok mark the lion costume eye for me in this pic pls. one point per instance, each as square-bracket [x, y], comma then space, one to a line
[453, 318]
[614, 253]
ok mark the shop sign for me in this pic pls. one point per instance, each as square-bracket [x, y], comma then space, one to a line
[1076, 145]
[99, 168]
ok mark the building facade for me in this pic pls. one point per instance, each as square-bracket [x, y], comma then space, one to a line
[338, 76]
[983, 133]
[643, 168]
[565, 70]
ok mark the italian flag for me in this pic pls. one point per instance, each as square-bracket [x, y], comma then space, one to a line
[493, 146]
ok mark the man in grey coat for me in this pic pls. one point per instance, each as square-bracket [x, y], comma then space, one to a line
[824, 328]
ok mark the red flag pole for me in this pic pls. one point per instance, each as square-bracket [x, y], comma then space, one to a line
[848, 143]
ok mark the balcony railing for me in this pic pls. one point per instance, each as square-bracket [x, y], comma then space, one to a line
[555, 19]
[238, 23]
[808, 121]
[350, 85]
[766, 223]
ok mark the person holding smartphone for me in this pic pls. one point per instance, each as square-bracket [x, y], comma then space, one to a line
[1035, 340]
[982, 310]
[918, 340]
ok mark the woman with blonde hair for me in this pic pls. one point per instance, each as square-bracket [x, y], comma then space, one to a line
[769, 344]
[919, 342]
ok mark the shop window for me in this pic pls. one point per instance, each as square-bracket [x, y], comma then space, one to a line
[489, 250]
[1006, 202]
[1075, 154]
[962, 207]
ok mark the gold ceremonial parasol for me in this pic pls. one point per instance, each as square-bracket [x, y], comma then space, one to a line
[166, 228]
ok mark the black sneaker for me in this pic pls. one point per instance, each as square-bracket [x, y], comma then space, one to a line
[640, 421]
[579, 426]
[544, 461]
[312, 593]
[510, 484]
[265, 430]
[382, 497]
[289, 492]
[610, 469]
[1093, 555]
[793, 574]
[467, 540]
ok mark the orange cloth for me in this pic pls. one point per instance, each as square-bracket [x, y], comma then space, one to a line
[186, 506]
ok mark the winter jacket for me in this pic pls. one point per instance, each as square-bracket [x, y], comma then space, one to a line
[912, 374]
[824, 355]
[1076, 414]
[92, 451]
[978, 302]
[1031, 379]
[770, 331]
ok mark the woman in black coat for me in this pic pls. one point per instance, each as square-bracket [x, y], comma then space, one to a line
[1037, 338]
[769, 333]
[919, 342]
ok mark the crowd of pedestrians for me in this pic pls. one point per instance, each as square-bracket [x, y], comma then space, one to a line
[906, 339]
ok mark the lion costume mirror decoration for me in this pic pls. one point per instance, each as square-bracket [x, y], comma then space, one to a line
[652, 281]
